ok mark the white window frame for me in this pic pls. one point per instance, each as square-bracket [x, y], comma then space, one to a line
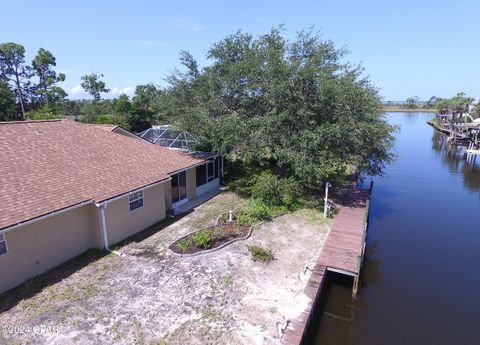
[133, 197]
[212, 177]
[4, 240]
[185, 200]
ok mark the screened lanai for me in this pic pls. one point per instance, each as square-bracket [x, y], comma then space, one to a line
[168, 136]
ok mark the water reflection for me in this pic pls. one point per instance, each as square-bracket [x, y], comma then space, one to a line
[454, 158]
[372, 274]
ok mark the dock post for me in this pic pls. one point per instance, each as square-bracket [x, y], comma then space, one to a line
[356, 282]
[325, 204]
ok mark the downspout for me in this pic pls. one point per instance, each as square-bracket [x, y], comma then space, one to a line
[105, 230]
[104, 227]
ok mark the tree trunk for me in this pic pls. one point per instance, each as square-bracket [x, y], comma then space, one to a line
[20, 95]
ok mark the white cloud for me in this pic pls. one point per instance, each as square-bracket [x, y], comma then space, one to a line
[128, 90]
[76, 90]
[150, 43]
[68, 71]
[185, 24]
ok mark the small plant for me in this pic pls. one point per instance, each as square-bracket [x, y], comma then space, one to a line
[227, 281]
[203, 238]
[260, 254]
[185, 244]
[273, 310]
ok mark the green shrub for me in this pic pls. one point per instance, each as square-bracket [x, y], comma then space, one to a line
[275, 191]
[107, 119]
[257, 210]
[185, 244]
[260, 254]
[43, 113]
[203, 238]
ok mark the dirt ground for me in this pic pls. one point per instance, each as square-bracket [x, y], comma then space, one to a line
[150, 296]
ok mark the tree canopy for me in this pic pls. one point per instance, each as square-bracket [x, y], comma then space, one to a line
[43, 64]
[14, 70]
[93, 85]
[290, 106]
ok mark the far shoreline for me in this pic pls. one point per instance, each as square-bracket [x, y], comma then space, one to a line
[408, 110]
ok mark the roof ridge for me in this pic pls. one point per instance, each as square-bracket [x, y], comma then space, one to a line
[28, 121]
[101, 124]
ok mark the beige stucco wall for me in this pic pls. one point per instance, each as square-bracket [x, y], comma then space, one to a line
[168, 195]
[191, 183]
[122, 223]
[35, 248]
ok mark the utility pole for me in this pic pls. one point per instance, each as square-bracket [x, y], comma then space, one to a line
[325, 205]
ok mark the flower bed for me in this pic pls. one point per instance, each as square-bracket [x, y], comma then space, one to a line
[211, 237]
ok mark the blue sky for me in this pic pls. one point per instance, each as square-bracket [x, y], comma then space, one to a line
[408, 48]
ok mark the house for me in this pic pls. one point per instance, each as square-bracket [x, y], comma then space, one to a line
[67, 187]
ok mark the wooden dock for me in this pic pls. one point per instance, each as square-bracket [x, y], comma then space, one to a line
[342, 253]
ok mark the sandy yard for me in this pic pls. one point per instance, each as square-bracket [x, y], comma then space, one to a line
[151, 296]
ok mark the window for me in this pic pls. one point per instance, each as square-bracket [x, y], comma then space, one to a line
[201, 171]
[217, 166]
[179, 187]
[3, 245]
[135, 200]
[210, 168]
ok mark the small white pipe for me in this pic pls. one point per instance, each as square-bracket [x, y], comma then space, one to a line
[104, 227]
[325, 205]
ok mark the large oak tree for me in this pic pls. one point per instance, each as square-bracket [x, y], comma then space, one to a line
[295, 107]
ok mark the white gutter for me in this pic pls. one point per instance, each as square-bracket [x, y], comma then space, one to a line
[205, 161]
[46, 216]
[108, 201]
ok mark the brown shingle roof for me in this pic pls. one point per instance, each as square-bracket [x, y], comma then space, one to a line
[108, 128]
[49, 165]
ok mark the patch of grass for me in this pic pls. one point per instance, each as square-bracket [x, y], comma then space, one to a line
[227, 281]
[208, 315]
[115, 331]
[260, 254]
[139, 336]
[273, 310]
[79, 292]
[313, 216]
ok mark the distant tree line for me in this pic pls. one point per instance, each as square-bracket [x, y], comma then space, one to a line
[31, 91]
[457, 105]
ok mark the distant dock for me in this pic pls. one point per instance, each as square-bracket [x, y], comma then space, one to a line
[342, 253]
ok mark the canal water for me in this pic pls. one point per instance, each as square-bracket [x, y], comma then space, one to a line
[421, 276]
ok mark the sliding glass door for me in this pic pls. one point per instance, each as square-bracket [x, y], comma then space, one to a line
[179, 188]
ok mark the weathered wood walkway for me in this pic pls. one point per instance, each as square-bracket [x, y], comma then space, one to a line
[342, 252]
